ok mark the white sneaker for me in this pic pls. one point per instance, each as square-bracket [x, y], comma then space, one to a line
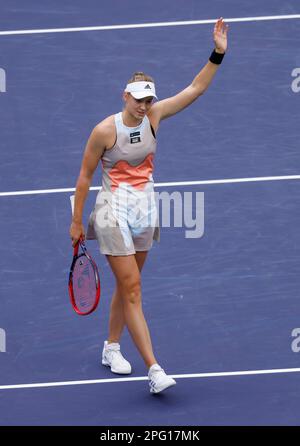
[113, 358]
[158, 380]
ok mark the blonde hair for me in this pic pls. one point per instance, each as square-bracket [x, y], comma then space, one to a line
[140, 76]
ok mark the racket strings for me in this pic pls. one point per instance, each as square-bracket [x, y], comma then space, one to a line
[84, 284]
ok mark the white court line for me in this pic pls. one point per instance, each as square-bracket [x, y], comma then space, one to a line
[145, 378]
[147, 25]
[169, 184]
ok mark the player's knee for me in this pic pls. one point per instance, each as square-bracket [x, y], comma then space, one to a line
[131, 290]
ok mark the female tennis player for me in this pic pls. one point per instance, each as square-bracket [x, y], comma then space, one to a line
[124, 220]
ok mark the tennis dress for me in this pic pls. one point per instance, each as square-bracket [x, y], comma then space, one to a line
[125, 218]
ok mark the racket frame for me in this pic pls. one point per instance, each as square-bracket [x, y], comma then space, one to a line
[97, 278]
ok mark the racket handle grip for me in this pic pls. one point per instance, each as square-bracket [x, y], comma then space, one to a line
[76, 248]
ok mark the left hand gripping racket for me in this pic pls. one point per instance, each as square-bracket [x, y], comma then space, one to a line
[84, 281]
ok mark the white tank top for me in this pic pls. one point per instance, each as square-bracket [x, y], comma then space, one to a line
[127, 195]
[129, 163]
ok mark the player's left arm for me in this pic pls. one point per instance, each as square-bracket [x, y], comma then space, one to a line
[170, 106]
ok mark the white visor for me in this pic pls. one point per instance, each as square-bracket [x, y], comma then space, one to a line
[141, 89]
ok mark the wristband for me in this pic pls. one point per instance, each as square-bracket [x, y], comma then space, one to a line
[216, 58]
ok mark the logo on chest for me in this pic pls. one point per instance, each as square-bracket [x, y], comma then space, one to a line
[135, 137]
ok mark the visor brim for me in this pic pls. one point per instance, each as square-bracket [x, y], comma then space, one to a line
[143, 94]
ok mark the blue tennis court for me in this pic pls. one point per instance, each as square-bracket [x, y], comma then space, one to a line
[221, 308]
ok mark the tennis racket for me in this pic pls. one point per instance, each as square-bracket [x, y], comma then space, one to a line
[84, 281]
